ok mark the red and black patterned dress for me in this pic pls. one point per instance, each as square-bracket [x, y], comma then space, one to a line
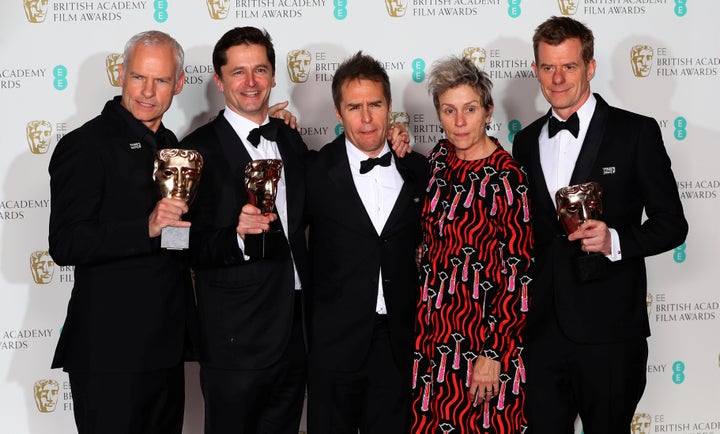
[474, 293]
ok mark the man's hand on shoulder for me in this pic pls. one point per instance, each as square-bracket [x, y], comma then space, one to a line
[279, 111]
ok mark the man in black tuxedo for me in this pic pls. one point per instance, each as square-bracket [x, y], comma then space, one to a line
[131, 308]
[252, 353]
[586, 347]
[363, 207]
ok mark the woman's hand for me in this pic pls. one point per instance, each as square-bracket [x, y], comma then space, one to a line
[485, 380]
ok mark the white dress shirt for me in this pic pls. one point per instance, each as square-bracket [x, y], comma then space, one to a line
[265, 150]
[378, 189]
[558, 155]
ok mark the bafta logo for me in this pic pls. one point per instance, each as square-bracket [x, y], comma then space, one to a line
[177, 174]
[46, 394]
[477, 55]
[568, 7]
[42, 267]
[396, 8]
[649, 302]
[35, 10]
[261, 184]
[113, 61]
[641, 57]
[298, 65]
[218, 9]
[400, 118]
[640, 423]
[38, 135]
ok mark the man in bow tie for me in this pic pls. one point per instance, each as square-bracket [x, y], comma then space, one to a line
[363, 208]
[586, 347]
[252, 355]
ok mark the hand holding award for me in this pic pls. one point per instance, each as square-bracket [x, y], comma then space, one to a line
[177, 174]
[575, 205]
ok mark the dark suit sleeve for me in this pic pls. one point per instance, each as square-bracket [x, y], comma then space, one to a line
[666, 226]
[83, 228]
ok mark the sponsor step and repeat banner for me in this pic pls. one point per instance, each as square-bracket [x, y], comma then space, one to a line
[59, 63]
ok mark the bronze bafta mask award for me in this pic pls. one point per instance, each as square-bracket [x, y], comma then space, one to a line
[575, 205]
[261, 182]
[177, 174]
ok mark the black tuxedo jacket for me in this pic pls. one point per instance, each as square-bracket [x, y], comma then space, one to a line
[245, 306]
[624, 153]
[131, 306]
[346, 255]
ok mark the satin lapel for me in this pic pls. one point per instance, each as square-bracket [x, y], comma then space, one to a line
[233, 148]
[294, 173]
[405, 197]
[591, 145]
[536, 172]
[349, 200]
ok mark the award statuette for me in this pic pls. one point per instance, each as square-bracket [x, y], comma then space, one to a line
[575, 205]
[261, 181]
[177, 174]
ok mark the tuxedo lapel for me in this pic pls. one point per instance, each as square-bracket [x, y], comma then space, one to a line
[536, 168]
[591, 145]
[349, 200]
[294, 172]
[404, 199]
[233, 149]
[231, 144]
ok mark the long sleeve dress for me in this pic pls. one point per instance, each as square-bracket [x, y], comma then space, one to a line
[473, 300]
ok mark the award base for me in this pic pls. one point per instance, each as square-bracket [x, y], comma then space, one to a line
[269, 244]
[592, 266]
[174, 238]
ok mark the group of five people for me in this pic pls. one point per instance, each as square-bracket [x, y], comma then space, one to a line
[402, 288]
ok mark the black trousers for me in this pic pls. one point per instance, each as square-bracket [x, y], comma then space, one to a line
[373, 400]
[602, 383]
[129, 403]
[262, 401]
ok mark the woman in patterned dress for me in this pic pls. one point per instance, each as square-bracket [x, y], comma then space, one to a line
[468, 374]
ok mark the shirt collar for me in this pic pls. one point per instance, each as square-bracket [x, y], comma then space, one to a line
[355, 156]
[241, 124]
[585, 112]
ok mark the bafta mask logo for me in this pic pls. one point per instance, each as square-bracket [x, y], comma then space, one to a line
[578, 203]
[649, 302]
[38, 136]
[477, 55]
[396, 8]
[298, 65]
[112, 65]
[400, 118]
[46, 394]
[641, 57]
[640, 423]
[177, 173]
[35, 10]
[568, 7]
[218, 9]
[261, 181]
[42, 267]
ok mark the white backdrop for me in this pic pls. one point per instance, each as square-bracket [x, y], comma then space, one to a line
[54, 75]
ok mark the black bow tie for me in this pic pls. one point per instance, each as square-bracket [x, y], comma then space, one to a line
[269, 131]
[572, 125]
[367, 165]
